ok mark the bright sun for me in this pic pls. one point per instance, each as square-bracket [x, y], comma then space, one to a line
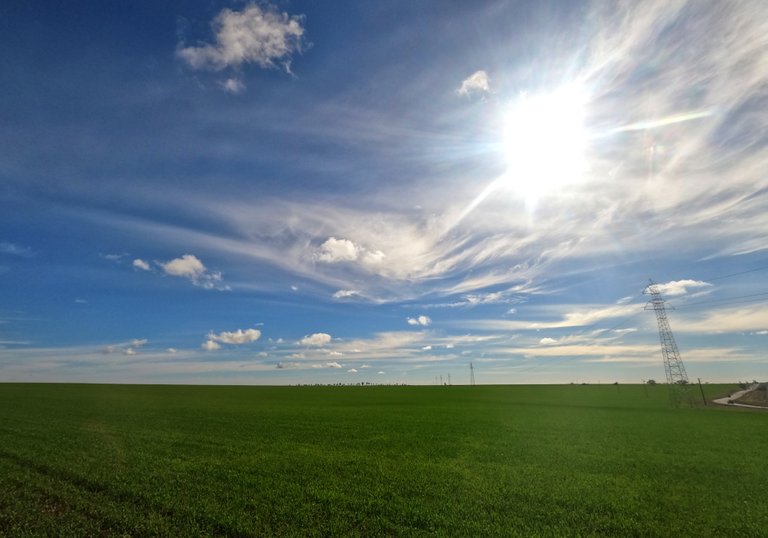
[545, 142]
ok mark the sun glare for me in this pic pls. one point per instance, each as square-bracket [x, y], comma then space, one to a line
[545, 142]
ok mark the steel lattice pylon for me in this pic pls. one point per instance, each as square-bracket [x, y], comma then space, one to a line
[673, 364]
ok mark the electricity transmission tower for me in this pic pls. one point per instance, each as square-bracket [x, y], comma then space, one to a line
[471, 374]
[677, 378]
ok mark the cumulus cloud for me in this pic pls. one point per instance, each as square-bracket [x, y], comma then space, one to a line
[316, 339]
[14, 249]
[141, 264]
[238, 337]
[333, 364]
[423, 321]
[477, 82]
[190, 267]
[337, 250]
[232, 85]
[210, 345]
[427, 348]
[352, 371]
[255, 35]
[681, 287]
[547, 341]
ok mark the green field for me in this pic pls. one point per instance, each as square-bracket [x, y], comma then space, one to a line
[611, 460]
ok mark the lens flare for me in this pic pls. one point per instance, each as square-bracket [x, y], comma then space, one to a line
[545, 142]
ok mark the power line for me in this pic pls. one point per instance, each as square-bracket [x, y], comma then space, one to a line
[736, 300]
[739, 273]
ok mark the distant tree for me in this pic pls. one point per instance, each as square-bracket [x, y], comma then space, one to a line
[651, 381]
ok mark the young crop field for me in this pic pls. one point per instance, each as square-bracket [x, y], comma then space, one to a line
[613, 460]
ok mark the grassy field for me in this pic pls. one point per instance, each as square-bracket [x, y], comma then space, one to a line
[466, 461]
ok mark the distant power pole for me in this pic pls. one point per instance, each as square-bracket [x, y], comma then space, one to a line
[677, 378]
[471, 374]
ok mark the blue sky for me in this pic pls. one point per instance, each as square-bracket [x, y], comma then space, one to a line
[300, 192]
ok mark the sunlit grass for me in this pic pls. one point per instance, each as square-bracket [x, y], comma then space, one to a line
[514, 460]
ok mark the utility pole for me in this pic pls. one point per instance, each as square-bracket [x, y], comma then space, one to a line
[702, 393]
[471, 374]
[677, 378]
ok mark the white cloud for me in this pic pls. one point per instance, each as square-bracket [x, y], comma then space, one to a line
[232, 85]
[680, 287]
[421, 320]
[379, 373]
[335, 353]
[426, 348]
[237, 337]
[337, 250]
[172, 350]
[81, 301]
[141, 264]
[374, 257]
[763, 332]
[547, 341]
[477, 82]
[15, 250]
[210, 345]
[316, 339]
[352, 371]
[343, 294]
[189, 266]
[333, 364]
[255, 35]
[126, 348]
